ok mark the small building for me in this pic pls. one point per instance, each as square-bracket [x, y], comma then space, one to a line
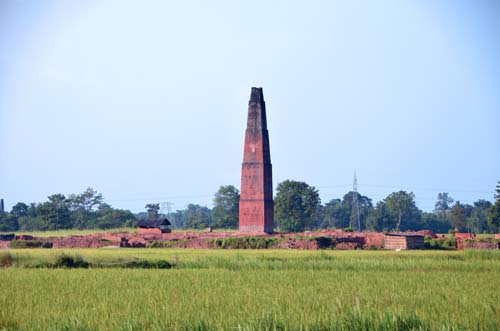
[403, 241]
[153, 226]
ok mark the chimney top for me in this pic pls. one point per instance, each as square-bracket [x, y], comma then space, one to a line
[257, 95]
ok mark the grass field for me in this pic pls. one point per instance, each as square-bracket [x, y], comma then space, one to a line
[254, 290]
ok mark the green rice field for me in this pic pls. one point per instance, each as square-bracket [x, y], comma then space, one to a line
[251, 290]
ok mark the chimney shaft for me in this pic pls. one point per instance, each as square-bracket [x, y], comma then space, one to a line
[256, 200]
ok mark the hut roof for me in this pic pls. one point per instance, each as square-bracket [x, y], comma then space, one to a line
[153, 222]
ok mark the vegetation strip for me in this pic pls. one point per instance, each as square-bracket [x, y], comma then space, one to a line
[249, 290]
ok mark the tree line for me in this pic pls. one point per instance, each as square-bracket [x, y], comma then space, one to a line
[297, 207]
[77, 211]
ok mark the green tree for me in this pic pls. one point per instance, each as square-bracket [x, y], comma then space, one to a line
[153, 210]
[494, 211]
[225, 213]
[84, 206]
[334, 214]
[435, 223]
[196, 217]
[8, 222]
[296, 205]
[108, 218]
[54, 214]
[380, 219]
[86, 210]
[21, 212]
[459, 217]
[401, 206]
[364, 205]
[27, 217]
[20, 209]
[28, 223]
[89, 200]
[479, 217]
[177, 218]
[443, 204]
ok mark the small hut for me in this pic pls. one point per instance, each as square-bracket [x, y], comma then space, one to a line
[153, 226]
[403, 241]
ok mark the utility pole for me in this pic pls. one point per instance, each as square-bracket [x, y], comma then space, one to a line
[356, 223]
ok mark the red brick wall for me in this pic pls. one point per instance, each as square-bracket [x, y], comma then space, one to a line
[473, 244]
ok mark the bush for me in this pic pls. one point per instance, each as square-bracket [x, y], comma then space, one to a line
[67, 261]
[243, 242]
[144, 264]
[6, 260]
[440, 243]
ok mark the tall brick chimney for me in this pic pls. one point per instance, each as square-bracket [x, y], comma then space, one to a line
[256, 201]
[2, 208]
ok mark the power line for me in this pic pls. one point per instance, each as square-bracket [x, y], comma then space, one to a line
[163, 198]
[413, 188]
[429, 189]
[323, 187]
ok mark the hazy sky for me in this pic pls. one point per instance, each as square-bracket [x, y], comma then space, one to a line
[146, 101]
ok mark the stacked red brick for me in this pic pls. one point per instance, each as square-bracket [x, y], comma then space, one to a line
[403, 241]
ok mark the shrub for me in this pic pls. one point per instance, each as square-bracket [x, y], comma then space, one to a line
[440, 243]
[243, 242]
[6, 260]
[67, 261]
[144, 264]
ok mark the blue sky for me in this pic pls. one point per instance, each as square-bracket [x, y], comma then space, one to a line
[146, 101]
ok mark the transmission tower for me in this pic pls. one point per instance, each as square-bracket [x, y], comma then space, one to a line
[356, 223]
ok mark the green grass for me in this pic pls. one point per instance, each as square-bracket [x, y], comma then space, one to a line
[253, 290]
